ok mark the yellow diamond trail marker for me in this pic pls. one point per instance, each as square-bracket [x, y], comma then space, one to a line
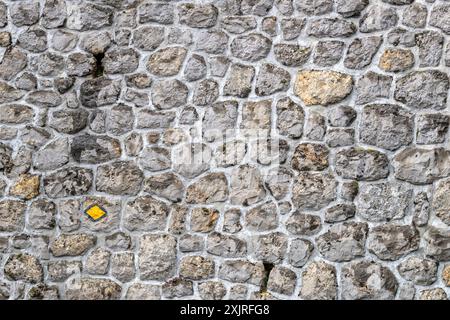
[95, 212]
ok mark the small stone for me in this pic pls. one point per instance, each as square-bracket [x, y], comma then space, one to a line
[157, 257]
[446, 275]
[121, 60]
[328, 52]
[395, 60]
[252, 47]
[64, 84]
[26, 187]
[262, 217]
[61, 270]
[256, 115]
[26, 81]
[72, 244]
[432, 128]
[238, 292]
[198, 15]
[88, 16]
[69, 215]
[343, 242]
[331, 28]
[421, 166]
[300, 252]
[99, 92]
[212, 290]
[238, 24]
[163, 13]
[393, 241]
[423, 89]
[119, 178]
[361, 51]
[197, 268]
[278, 182]
[191, 159]
[166, 62]
[69, 121]
[351, 8]
[208, 189]
[270, 248]
[163, 96]
[361, 164]
[291, 55]
[441, 204]
[80, 64]
[292, 27]
[439, 17]
[122, 266]
[246, 186]
[24, 13]
[205, 92]
[242, 271]
[97, 261]
[54, 14]
[430, 45]
[149, 119]
[372, 86]
[203, 219]
[24, 267]
[282, 280]
[191, 243]
[232, 221]
[68, 182]
[16, 113]
[290, 118]
[92, 289]
[14, 60]
[378, 18]
[96, 43]
[375, 131]
[195, 68]
[313, 190]
[177, 288]
[225, 246]
[300, 223]
[400, 36]
[319, 282]
[95, 149]
[141, 291]
[340, 137]
[383, 201]
[64, 41]
[419, 271]
[219, 65]
[322, 87]
[148, 38]
[271, 79]
[421, 209]
[166, 185]
[269, 26]
[211, 41]
[310, 157]
[239, 81]
[433, 294]
[145, 213]
[118, 241]
[415, 16]
[367, 280]
[406, 291]
[340, 212]
[5, 39]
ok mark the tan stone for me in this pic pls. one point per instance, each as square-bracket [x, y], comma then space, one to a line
[203, 219]
[26, 187]
[446, 275]
[395, 60]
[322, 87]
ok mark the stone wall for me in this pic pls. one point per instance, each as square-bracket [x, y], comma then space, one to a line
[285, 149]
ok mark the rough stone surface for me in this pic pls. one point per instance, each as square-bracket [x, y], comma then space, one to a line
[266, 149]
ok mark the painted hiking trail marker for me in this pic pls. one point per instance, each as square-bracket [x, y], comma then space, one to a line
[95, 212]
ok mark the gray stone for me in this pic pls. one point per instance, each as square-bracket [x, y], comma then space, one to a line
[290, 118]
[421, 209]
[432, 128]
[351, 8]
[169, 94]
[239, 81]
[299, 252]
[441, 204]
[148, 38]
[61, 270]
[211, 41]
[120, 178]
[343, 242]
[421, 166]
[14, 60]
[238, 24]
[24, 13]
[99, 92]
[378, 17]
[197, 268]
[205, 92]
[419, 271]
[225, 245]
[330, 28]
[88, 16]
[97, 261]
[157, 256]
[198, 15]
[246, 186]
[163, 13]
[270, 248]
[361, 164]
[437, 244]
[383, 201]
[439, 17]
[69, 121]
[195, 68]
[41, 214]
[166, 185]
[430, 45]
[282, 280]
[263, 217]
[291, 55]
[393, 241]
[367, 280]
[212, 290]
[340, 212]
[328, 52]
[191, 243]
[141, 291]
[177, 288]
[292, 27]
[94, 149]
[313, 190]
[24, 267]
[361, 51]
[242, 271]
[68, 182]
[252, 47]
[210, 188]
[271, 79]
[145, 213]
[54, 14]
[80, 64]
[92, 289]
[75, 244]
[122, 60]
[300, 223]
[319, 282]
[204, 219]
[122, 266]
[372, 86]
[12, 213]
[423, 89]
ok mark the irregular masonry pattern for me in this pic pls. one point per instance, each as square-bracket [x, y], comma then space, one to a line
[347, 198]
